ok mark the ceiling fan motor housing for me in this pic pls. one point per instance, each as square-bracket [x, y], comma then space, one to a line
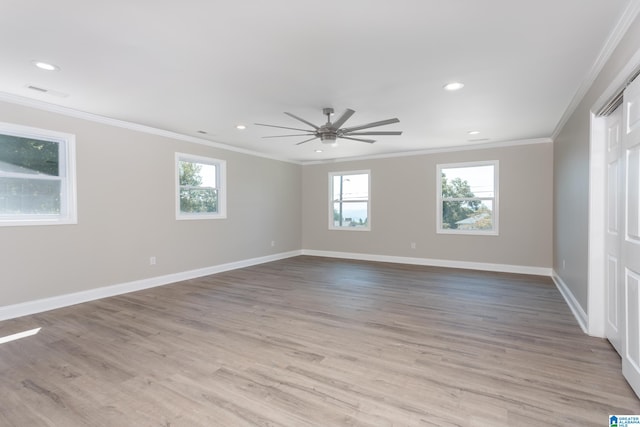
[328, 137]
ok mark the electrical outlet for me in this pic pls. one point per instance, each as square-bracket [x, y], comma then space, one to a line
[273, 243]
[152, 260]
[413, 245]
[564, 264]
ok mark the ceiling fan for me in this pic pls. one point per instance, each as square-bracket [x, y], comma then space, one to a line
[330, 132]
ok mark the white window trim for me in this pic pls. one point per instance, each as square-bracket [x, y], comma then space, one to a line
[331, 201]
[67, 156]
[221, 167]
[494, 199]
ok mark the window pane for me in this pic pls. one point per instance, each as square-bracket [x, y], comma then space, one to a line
[351, 187]
[198, 199]
[467, 215]
[37, 176]
[198, 192]
[472, 181]
[350, 214]
[28, 156]
[197, 174]
[200, 187]
[29, 196]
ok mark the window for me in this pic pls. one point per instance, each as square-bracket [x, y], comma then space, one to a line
[37, 176]
[468, 198]
[349, 205]
[200, 187]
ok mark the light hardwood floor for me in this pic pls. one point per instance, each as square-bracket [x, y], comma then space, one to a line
[312, 341]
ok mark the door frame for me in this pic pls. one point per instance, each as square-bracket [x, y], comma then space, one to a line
[596, 309]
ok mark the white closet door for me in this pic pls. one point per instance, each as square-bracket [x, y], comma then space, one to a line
[614, 285]
[631, 239]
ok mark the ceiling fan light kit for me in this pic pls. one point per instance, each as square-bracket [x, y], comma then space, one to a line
[329, 133]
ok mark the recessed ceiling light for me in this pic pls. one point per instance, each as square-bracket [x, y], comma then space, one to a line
[241, 127]
[453, 86]
[318, 151]
[45, 66]
[473, 132]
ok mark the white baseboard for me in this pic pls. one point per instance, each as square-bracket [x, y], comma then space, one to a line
[46, 304]
[504, 268]
[572, 302]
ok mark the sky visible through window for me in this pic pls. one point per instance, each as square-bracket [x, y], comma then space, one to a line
[479, 178]
[353, 189]
[208, 175]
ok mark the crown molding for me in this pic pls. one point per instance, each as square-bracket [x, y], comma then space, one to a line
[616, 35]
[501, 144]
[70, 112]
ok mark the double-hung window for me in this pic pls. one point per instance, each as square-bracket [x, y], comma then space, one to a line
[468, 198]
[349, 202]
[200, 187]
[37, 176]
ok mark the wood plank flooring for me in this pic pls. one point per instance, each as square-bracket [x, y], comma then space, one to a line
[311, 341]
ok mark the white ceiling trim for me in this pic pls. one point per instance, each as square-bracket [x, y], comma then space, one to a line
[70, 112]
[627, 18]
[502, 144]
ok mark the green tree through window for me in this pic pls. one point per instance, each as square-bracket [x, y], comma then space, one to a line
[452, 212]
[194, 196]
[30, 183]
[37, 176]
[35, 155]
[468, 197]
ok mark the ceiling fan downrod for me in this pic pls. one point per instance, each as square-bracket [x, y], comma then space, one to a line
[328, 135]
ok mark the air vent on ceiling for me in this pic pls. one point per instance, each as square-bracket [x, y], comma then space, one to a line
[47, 91]
[39, 89]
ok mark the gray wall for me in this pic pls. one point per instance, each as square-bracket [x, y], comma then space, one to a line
[403, 209]
[126, 213]
[571, 176]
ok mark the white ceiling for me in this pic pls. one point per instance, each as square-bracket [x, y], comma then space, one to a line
[210, 65]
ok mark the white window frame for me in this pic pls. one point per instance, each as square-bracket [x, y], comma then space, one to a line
[494, 199]
[332, 201]
[67, 169]
[221, 182]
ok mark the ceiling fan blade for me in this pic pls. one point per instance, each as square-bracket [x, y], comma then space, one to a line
[311, 139]
[302, 120]
[282, 127]
[390, 132]
[345, 116]
[371, 125]
[368, 141]
[284, 136]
